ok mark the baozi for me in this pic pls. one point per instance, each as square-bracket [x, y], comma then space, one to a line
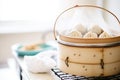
[81, 28]
[105, 35]
[90, 35]
[96, 29]
[74, 34]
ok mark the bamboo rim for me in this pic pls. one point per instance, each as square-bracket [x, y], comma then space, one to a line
[86, 40]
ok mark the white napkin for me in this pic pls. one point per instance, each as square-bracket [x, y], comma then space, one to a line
[41, 62]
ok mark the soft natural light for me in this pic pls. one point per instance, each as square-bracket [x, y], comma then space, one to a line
[28, 14]
[28, 9]
[38, 13]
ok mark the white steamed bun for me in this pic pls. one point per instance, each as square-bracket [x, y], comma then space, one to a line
[90, 35]
[74, 34]
[81, 28]
[96, 29]
[105, 35]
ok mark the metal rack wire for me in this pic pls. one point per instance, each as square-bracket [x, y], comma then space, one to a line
[66, 76]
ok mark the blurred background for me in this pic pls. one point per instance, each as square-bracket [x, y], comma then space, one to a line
[27, 21]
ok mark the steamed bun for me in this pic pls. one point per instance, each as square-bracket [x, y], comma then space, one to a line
[96, 29]
[105, 35]
[90, 35]
[81, 28]
[74, 34]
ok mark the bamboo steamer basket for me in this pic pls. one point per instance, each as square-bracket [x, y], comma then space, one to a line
[88, 57]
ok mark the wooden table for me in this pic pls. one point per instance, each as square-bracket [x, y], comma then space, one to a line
[25, 74]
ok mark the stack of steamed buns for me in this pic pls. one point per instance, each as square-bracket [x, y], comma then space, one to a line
[80, 31]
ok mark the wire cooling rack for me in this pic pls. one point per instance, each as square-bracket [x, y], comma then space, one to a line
[66, 76]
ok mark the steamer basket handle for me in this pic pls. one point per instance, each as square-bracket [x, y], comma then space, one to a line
[54, 29]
